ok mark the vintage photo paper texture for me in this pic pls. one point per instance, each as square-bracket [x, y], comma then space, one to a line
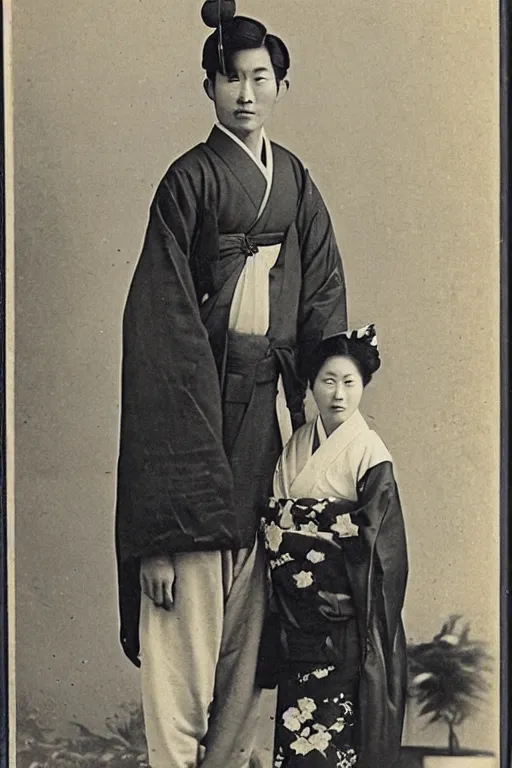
[394, 109]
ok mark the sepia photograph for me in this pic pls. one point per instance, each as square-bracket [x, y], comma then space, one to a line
[253, 401]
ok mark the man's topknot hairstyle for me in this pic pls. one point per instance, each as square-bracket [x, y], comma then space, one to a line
[237, 33]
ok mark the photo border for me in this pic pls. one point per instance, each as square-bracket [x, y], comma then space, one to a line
[7, 741]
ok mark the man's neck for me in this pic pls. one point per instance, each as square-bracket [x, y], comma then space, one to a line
[253, 141]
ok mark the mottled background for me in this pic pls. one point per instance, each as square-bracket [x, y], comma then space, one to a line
[393, 107]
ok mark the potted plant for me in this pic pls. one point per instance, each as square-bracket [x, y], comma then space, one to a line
[123, 747]
[447, 679]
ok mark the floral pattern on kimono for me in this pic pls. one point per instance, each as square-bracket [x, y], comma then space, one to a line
[316, 721]
[316, 718]
[304, 541]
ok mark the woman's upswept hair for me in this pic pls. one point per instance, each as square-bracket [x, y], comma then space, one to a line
[360, 346]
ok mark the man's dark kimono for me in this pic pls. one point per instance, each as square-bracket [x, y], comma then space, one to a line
[199, 432]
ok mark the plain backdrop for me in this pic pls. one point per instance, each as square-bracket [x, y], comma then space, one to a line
[394, 108]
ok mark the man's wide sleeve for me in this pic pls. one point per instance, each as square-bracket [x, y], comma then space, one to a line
[174, 489]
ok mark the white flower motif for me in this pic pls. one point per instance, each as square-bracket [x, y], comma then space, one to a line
[310, 527]
[320, 740]
[306, 704]
[272, 502]
[338, 726]
[308, 741]
[315, 557]
[319, 727]
[303, 579]
[273, 536]
[288, 505]
[302, 746]
[344, 526]
[320, 506]
[286, 517]
[291, 719]
[286, 558]
[279, 759]
[346, 759]
[319, 673]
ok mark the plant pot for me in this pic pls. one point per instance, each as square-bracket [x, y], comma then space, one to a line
[435, 757]
[459, 761]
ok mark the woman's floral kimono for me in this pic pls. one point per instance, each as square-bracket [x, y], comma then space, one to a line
[336, 548]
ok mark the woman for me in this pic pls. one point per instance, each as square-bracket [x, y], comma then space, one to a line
[336, 548]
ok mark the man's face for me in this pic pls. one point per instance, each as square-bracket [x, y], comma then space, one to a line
[245, 97]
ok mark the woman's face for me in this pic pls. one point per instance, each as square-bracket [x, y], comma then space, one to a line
[337, 390]
[245, 97]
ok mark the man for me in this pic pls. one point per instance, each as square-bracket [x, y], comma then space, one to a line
[238, 278]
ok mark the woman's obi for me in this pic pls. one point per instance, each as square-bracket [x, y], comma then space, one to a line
[305, 542]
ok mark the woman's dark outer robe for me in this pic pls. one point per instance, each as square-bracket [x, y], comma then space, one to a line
[354, 470]
[180, 489]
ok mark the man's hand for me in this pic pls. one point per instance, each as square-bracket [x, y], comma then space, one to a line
[157, 580]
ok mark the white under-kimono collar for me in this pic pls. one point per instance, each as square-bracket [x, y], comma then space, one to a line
[301, 470]
[267, 170]
[344, 434]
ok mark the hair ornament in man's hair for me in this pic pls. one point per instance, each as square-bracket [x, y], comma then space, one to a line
[232, 33]
[217, 12]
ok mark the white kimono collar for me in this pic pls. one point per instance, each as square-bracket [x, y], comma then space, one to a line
[342, 435]
[305, 467]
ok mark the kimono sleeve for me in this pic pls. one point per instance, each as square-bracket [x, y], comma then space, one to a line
[378, 574]
[383, 529]
[174, 488]
[323, 308]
